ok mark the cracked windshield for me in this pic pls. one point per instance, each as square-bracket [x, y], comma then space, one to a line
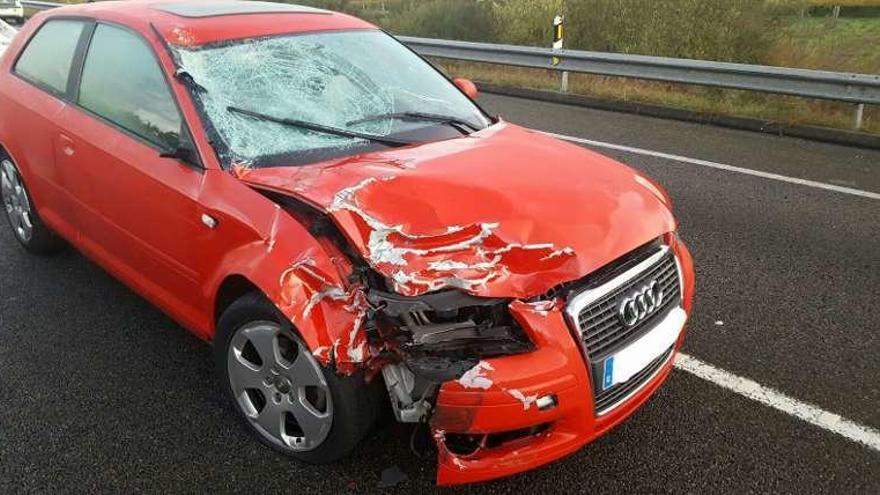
[302, 98]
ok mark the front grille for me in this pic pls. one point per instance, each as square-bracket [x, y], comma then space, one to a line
[600, 326]
[606, 399]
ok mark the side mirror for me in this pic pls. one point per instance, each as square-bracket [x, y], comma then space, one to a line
[182, 153]
[467, 87]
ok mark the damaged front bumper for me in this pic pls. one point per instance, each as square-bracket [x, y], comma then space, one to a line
[514, 413]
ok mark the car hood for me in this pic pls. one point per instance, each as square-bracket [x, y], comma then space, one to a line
[505, 212]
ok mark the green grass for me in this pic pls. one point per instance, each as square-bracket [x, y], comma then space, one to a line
[845, 44]
[711, 101]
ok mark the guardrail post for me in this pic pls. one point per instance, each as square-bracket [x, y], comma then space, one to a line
[558, 33]
[859, 117]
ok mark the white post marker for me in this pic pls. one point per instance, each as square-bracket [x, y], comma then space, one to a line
[558, 35]
[858, 118]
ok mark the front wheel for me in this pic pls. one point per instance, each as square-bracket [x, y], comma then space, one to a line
[284, 396]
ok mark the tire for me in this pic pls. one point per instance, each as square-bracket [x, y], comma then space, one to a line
[352, 404]
[21, 213]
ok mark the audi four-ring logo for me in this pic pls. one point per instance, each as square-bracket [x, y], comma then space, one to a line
[640, 304]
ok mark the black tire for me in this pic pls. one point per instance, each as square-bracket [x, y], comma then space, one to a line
[42, 240]
[355, 403]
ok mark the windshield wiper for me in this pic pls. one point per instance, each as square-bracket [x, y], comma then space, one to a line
[319, 127]
[431, 117]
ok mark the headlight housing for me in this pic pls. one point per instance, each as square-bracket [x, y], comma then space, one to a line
[445, 333]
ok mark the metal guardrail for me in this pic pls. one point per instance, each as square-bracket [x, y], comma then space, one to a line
[839, 86]
[40, 5]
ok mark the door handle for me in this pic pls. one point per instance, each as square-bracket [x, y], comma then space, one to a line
[209, 221]
[66, 145]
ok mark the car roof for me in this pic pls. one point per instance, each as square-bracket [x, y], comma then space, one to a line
[199, 22]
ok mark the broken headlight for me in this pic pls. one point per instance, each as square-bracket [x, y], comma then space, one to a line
[443, 334]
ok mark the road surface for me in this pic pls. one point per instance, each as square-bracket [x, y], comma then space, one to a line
[100, 391]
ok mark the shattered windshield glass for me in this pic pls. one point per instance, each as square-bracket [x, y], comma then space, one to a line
[270, 99]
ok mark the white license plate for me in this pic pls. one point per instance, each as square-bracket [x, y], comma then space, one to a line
[625, 363]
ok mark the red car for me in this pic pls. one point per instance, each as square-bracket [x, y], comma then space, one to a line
[346, 226]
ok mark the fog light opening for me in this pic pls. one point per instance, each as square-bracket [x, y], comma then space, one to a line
[498, 439]
[547, 402]
[463, 444]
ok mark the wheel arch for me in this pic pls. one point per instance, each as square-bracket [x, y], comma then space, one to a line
[232, 288]
[251, 268]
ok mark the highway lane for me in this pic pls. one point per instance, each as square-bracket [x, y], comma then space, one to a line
[792, 272]
[834, 164]
[99, 391]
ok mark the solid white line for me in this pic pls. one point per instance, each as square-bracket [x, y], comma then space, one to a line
[811, 414]
[719, 166]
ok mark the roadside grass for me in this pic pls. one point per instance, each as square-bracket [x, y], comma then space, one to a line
[711, 101]
[849, 44]
[845, 44]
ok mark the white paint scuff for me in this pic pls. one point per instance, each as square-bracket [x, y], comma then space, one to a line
[353, 301]
[272, 238]
[328, 289]
[381, 249]
[542, 308]
[322, 352]
[527, 400]
[476, 376]
[826, 420]
[481, 266]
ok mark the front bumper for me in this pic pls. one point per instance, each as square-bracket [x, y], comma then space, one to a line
[556, 368]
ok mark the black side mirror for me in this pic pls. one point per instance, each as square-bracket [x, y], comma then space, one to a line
[182, 153]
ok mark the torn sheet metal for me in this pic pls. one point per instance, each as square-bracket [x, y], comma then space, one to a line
[526, 400]
[476, 377]
[461, 257]
[457, 216]
[309, 297]
[542, 308]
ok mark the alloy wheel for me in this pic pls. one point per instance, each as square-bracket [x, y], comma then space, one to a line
[279, 386]
[16, 201]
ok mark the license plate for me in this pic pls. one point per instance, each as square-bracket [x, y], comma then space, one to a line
[623, 364]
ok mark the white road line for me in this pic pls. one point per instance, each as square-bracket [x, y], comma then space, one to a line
[719, 166]
[811, 414]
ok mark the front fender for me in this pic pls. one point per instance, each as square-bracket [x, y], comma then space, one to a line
[306, 279]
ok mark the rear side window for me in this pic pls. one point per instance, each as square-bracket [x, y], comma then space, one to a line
[47, 58]
[123, 83]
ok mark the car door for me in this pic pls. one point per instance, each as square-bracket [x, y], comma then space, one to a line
[138, 211]
[33, 101]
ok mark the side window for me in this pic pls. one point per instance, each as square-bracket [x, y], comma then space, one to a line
[122, 82]
[47, 58]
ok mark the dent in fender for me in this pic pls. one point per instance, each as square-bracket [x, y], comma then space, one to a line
[309, 294]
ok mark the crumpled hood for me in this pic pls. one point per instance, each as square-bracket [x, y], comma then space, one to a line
[506, 212]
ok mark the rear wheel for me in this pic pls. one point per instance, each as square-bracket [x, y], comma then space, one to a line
[27, 226]
[284, 396]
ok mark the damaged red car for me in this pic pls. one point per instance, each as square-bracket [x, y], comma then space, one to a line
[347, 226]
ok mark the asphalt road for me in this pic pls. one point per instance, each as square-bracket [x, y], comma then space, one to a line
[99, 391]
